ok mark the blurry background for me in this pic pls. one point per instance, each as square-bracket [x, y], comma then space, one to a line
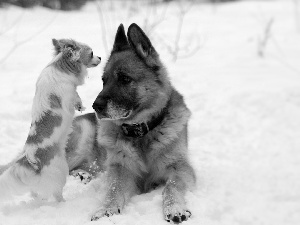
[237, 63]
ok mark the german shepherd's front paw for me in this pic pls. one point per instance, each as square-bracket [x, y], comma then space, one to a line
[176, 214]
[84, 176]
[106, 212]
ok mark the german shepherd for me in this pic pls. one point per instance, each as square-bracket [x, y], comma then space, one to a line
[139, 130]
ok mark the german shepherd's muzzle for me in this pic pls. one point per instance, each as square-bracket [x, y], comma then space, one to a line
[109, 104]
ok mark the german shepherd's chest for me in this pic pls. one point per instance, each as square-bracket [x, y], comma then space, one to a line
[137, 154]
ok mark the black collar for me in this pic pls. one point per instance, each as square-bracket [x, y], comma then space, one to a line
[141, 129]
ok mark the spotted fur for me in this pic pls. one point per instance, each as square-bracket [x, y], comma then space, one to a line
[41, 168]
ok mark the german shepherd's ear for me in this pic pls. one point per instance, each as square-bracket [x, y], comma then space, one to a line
[121, 42]
[142, 45]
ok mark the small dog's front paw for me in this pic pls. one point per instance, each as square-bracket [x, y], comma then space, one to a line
[84, 176]
[108, 212]
[176, 214]
[79, 107]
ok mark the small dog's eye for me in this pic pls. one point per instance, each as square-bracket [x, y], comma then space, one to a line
[123, 78]
[92, 54]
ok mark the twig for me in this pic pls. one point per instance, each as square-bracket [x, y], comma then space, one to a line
[102, 22]
[178, 35]
[297, 16]
[287, 64]
[192, 52]
[18, 44]
[13, 24]
[174, 48]
[262, 43]
[183, 12]
[158, 19]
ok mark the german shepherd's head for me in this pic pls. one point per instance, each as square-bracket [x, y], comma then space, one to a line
[135, 83]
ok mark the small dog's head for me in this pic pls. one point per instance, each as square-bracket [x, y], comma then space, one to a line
[76, 52]
[135, 82]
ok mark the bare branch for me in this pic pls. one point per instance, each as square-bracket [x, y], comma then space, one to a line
[103, 27]
[262, 42]
[158, 19]
[152, 19]
[13, 23]
[182, 14]
[193, 51]
[297, 15]
[19, 43]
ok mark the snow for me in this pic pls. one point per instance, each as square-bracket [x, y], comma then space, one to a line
[244, 133]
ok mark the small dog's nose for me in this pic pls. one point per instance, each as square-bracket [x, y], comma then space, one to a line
[99, 58]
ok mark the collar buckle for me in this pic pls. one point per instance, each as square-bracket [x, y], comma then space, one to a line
[135, 129]
[141, 129]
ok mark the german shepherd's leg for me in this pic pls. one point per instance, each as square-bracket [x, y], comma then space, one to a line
[181, 178]
[121, 186]
[82, 151]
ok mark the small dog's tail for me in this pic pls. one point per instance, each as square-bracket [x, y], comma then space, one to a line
[12, 181]
[4, 167]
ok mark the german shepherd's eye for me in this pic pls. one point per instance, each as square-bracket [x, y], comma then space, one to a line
[123, 78]
[92, 54]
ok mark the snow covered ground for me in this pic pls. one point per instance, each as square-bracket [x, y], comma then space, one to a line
[245, 129]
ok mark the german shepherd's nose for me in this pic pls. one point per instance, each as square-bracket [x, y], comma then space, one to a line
[99, 105]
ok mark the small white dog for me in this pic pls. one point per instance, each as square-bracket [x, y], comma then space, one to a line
[42, 168]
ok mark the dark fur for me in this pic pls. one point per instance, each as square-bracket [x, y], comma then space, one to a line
[42, 158]
[136, 89]
[55, 102]
[44, 127]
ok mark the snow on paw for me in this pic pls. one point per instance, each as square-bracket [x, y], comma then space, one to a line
[84, 176]
[176, 214]
[105, 212]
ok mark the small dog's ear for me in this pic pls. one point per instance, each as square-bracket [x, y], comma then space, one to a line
[141, 44]
[121, 42]
[57, 46]
[75, 54]
[72, 52]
